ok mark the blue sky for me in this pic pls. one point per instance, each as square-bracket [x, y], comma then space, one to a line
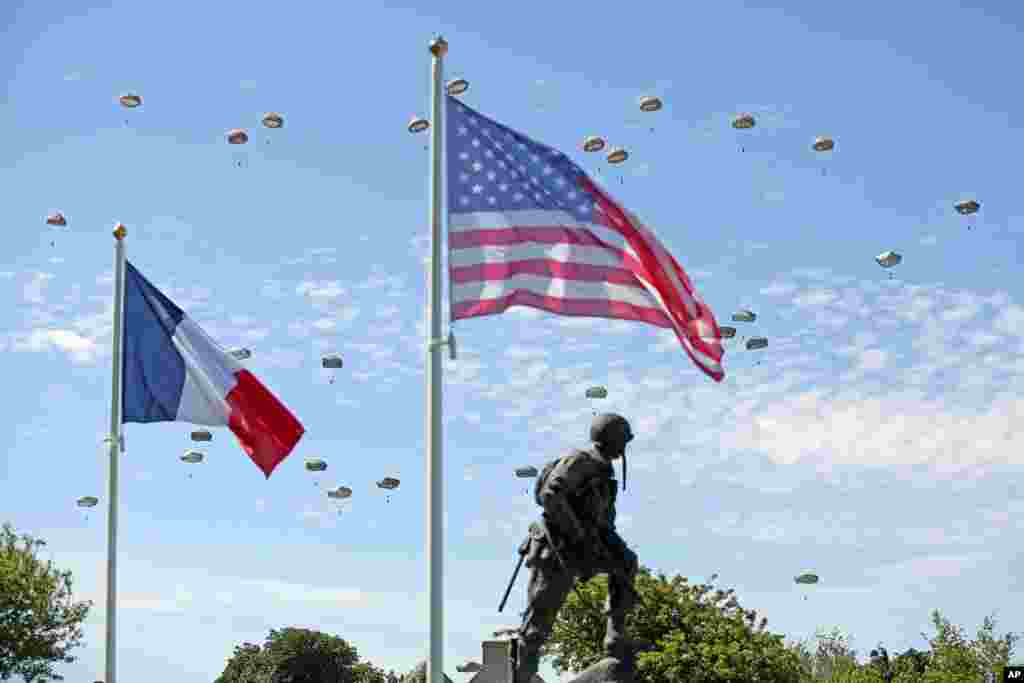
[876, 442]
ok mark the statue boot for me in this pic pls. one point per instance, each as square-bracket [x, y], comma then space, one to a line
[525, 659]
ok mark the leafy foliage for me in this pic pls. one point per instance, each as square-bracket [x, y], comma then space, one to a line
[700, 634]
[297, 655]
[953, 657]
[686, 633]
[40, 623]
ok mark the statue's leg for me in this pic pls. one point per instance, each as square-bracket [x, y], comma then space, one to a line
[548, 588]
[621, 599]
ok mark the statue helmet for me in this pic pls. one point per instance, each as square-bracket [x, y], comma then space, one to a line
[611, 429]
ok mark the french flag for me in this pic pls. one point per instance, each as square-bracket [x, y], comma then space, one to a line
[172, 371]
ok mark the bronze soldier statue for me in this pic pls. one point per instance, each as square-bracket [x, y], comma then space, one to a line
[576, 539]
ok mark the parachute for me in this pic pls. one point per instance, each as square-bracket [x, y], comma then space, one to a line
[823, 144]
[888, 259]
[744, 316]
[56, 220]
[273, 120]
[617, 156]
[316, 466]
[743, 122]
[593, 144]
[130, 101]
[755, 343]
[526, 472]
[338, 496]
[87, 502]
[237, 136]
[597, 392]
[649, 103]
[340, 493]
[727, 332]
[332, 361]
[202, 435]
[418, 125]
[457, 87]
[967, 207]
[806, 578]
[240, 353]
[388, 484]
[192, 457]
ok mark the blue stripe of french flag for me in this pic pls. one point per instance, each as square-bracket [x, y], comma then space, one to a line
[174, 372]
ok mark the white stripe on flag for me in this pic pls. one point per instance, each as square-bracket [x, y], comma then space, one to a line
[209, 376]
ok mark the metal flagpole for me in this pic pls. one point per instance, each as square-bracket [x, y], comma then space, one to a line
[435, 482]
[116, 443]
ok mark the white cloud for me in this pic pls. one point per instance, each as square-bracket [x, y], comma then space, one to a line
[321, 292]
[33, 291]
[816, 297]
[779, 289]
[81, 349]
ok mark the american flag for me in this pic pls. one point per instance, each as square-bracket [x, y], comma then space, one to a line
[527, 227]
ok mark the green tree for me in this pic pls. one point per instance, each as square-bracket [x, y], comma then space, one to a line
[954, 658]
[40, 623]
[246, 665]
[368, 673]
[686, 633]
[297, 655]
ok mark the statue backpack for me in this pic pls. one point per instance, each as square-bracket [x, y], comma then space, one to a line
[542, 478]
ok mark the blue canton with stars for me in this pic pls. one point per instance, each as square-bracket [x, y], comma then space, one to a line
[493, 168]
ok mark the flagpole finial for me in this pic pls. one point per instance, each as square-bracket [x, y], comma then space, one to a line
[120, 231]
[439, 47]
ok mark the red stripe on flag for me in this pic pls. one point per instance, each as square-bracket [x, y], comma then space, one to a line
[266, 429]
[617, 219]
[487, 237]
